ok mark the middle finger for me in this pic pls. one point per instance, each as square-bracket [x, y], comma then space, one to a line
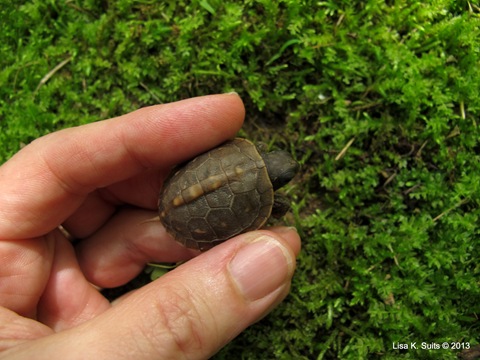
[118, 251]
[99, 206]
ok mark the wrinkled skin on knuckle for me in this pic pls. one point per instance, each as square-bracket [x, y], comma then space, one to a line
[180, 326]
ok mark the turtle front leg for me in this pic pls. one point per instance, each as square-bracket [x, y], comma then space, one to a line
[280, 206]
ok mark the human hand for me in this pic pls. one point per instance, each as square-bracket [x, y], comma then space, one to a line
[100, 182]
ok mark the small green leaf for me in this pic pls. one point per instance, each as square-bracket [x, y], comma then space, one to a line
[207, 6]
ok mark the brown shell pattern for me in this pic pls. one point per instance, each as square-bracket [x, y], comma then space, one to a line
[217, 195]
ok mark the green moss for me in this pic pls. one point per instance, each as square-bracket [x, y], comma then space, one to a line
[390, 224]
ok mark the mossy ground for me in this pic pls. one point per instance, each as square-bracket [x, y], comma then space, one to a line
[378, 100]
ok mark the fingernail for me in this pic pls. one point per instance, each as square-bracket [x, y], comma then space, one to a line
[232, 93]
[261, 267]
[284, 230]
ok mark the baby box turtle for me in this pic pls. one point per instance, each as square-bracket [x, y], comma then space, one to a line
[224, 192]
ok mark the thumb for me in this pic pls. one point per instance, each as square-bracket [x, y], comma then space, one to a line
[192, 311]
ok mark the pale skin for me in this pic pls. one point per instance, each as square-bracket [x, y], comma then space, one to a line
[100, 182]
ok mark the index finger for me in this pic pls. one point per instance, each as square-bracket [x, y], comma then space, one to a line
[48, 179]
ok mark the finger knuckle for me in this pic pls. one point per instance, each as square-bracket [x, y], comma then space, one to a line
[180, 326]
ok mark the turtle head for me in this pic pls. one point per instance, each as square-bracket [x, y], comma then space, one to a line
[281, 167]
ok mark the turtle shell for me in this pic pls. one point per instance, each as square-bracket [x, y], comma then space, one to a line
[217, 195]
